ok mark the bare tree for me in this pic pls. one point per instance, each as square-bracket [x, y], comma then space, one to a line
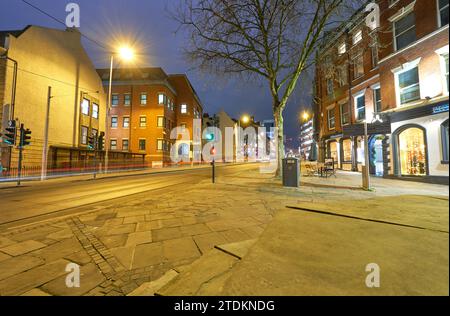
[270, 39]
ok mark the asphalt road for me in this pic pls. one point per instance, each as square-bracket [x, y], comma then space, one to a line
[44, 200]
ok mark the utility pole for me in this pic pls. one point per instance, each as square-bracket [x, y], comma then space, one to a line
[21, 143]
[365, 171]
[45, 148]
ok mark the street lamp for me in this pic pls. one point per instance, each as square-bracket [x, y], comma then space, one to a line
[244, 119]
[305, 116]
[127, 54]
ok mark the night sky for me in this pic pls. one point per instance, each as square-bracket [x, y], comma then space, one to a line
[147, 26]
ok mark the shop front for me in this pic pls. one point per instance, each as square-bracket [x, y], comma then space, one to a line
[420, 143]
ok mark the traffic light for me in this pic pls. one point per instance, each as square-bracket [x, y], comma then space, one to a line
[9, 137]
[25, 137]
[101, 141]
[91, 142]
[210, 137]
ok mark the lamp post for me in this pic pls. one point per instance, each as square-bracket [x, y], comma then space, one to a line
[127, 54]
[244, 119]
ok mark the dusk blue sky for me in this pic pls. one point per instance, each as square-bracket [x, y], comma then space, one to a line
[147, 25]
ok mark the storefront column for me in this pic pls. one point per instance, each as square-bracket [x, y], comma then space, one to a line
[354, 153]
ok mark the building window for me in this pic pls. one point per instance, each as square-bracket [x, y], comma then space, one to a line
[445, 141]
[405, 31]
[95, 110]
[342, 49]
[183, 126]
[360, 108]
[172, 105]
[331, 119]
[357, 37]
[345, 113]
[342, 73]
[84, 135]
[143, 121]
[114, 121]
[358, 66]
[330, 86]
[412, 152]
[126, 122]
[85, 107]
[113, 143]
[125, 144]
[409, 87]
[377, 100]
[162, 99]
[142, 144]
[160, 145]
[127, 99]
[375, 59]
[443, 12]
[115, 99]
[347, 150]
[444, 59]
[143, 98]
[333, 152]
[160, 121]
[184, 108]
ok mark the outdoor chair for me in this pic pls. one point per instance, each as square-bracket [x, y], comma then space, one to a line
[311, 171]
[330, 170]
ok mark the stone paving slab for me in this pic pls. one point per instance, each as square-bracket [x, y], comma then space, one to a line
[22, 247]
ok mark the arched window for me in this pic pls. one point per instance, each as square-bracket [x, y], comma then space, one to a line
[444, 141]
[412, 152]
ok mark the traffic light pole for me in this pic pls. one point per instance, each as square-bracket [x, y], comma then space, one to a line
[21, 143]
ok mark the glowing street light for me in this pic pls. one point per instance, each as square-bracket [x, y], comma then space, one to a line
[305, 116]
[127, 54]
[245, 119]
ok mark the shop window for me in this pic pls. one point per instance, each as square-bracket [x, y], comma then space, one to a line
[347, 150]
[333, 151]
[360, 150]
[412, 151]
[445, 141]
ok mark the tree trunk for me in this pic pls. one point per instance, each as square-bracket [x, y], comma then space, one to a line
[279, 123]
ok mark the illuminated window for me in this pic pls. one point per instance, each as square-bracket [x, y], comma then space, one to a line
[412, 152]
[143, 121]
[377, 99]
[143, 98]
[342, 49]
[113, 143]
[126, 122]
[345, 113]
[125, 144]
[115, 99]
[160, 122]
[331, 119]
[333, 151]
[358, 66]
[160, 144]
[408, 85]
[347, 150]
[127, 99]
[405, 31]
[162, 99]
[357, 37]
[84, 135]
[85, 107]
[95, 110]
[114, 122]
[360, 107]
[184, 108]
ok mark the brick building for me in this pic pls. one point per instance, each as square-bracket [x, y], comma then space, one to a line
[50, 58]
[147, 104]
[396, 72]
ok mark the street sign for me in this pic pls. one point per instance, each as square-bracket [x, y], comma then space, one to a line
[372, 129]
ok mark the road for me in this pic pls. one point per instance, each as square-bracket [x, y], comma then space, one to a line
[38, 201]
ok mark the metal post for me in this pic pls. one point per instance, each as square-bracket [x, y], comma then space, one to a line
[365, 171]
[107, 114]
[214, 171]
[19, 168]
[45, 148]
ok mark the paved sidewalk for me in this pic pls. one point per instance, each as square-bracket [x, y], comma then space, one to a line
[138, 239]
